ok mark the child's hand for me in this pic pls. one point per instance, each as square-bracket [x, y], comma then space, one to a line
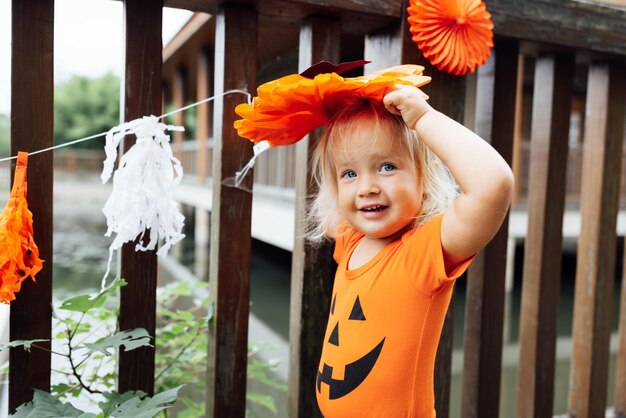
[408, 102]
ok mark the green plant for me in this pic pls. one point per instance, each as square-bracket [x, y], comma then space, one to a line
[182, 341]
[89, 338]
[86, 338]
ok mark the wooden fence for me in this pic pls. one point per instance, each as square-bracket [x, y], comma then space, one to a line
[558, 33]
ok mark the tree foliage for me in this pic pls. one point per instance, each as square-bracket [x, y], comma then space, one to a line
[5, 142]
[85, 106]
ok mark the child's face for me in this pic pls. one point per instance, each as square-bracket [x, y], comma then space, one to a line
[379, 191]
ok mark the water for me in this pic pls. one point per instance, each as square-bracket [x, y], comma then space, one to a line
[80, 251]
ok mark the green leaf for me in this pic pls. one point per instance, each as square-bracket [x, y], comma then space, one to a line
[148, 407]
[61, 388]
[167, 313]
[115, 399]
[130, 339]
[19, 343]
[263, 400]
[179, 328]
[23, 411]
[83, 303]
[82, 328]
[60, 335]
[45, 405]
[185, 316]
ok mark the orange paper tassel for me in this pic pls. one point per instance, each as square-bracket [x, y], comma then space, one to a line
[19, 257]
[454, 35]
[290, 107]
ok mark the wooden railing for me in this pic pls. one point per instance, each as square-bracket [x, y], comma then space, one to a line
[556, 32]
[277, 168]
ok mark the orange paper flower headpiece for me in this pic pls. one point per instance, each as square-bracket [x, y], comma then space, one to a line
[19, 257]
[454, 35]
[290, 107]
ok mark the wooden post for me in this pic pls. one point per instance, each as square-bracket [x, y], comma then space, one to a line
[178, 96]
[517, 164]
[203, 90]
[485, 290]
[554, 80]
[235, 68]
[620, 374]
[312, 269]
[595, 268]
[447, 95]
[142, 96]
[31, 130]
[393, 46]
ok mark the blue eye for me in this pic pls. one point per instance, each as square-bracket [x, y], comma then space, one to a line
[348, 174]
[385, 168]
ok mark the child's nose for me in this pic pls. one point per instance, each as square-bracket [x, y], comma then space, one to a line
[368, 186]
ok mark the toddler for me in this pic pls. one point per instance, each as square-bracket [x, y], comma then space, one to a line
[403, 233]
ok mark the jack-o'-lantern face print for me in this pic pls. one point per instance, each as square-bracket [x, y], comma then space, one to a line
[357, 369]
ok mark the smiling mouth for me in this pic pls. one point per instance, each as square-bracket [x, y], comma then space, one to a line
[376, 208]
[355, 373]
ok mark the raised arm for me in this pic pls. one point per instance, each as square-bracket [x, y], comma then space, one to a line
[485, 179]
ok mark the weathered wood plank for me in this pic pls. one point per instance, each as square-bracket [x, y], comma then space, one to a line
[31, 129]
[554, 79]
[142, 96]
[568, 23]
[620, 373]
[517, 165]
[204, 89]
[575, 24]
[312, 269]
[235, 68]
[595, 268]
[379, 7]
[447, 95]
[178, 100]
[485, 290]
[357, 16]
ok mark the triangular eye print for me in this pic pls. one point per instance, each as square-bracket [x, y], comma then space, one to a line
[334, 336]
[357, 311]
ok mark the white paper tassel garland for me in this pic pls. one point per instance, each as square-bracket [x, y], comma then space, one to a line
[143, 187]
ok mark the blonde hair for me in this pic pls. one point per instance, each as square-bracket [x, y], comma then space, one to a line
[439, 188]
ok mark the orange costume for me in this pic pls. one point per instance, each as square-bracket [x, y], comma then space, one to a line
[384, 326]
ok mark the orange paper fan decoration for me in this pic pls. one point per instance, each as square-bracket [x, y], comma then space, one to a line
[290, 107]
[19, 257]
[454, 35]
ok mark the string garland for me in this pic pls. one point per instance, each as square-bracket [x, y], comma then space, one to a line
[101, 134]
[141, 202]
